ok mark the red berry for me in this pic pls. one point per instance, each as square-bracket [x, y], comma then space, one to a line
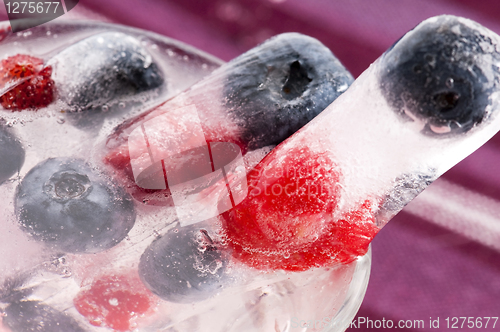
[32, 83]
[113, 301]
[288, 219]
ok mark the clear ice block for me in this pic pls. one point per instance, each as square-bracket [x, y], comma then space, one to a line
[104, 284]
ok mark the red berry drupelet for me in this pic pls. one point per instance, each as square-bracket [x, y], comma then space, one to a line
[32, 85]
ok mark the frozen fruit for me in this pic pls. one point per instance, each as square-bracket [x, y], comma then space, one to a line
[23, 316]
[64, 203]
[11, 153]
[98, 73]
[185, 265]
[114, 301]
[31, 85]
[439, 78]
[257, 99]
[289, 219]
[284, 83]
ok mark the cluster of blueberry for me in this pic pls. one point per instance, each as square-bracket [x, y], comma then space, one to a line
[70, 207]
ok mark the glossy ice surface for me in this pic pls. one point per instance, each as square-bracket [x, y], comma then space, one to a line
[150, 273]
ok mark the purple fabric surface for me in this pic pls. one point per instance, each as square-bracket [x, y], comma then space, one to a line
[423, 267]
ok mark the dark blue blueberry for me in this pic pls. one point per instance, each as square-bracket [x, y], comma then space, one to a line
[183, 266]
[71, 208]
[442, 74]
[279, 86]
[97, 73]
[11, 153]
[35, 316]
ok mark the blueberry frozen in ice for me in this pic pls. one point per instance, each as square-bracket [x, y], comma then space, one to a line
[96, 74]
[21, 316]
[276, 92]
[64, 203]
[258, 99]
[439, 78]
[185, 265]
[11, 152]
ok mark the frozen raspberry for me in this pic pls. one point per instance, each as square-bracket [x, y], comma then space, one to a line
[32, 83]
[114, 301]
[288, 219]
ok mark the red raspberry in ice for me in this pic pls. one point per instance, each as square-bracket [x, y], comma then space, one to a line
[287, 221]
[33, 86]
[113, 301]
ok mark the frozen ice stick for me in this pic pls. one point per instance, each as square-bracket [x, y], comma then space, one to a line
[254, 101]
[322, 195]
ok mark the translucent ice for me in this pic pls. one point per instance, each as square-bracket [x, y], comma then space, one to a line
[78, 253]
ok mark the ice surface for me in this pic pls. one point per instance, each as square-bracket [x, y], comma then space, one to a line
[55, 268]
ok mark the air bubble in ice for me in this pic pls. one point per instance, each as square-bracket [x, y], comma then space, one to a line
[113, 302]
[240, 169]
[61, 120]
[449, 82]
[147, 61]
[121, 105]
[343, 87]
[105, 108]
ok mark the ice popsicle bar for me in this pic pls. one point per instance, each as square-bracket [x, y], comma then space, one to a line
[256, 100]
[322, 195]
